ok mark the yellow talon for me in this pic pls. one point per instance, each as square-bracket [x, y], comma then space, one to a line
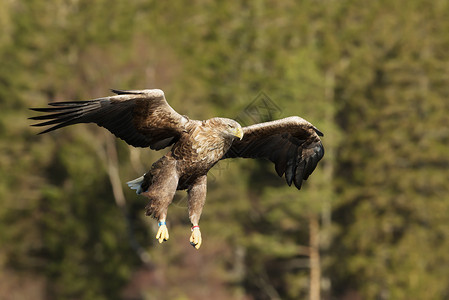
[162, 234]
[195, 238]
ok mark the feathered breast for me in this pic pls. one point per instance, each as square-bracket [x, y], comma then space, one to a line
[202, 143]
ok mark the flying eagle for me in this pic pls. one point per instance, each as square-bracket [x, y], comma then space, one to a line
[143, 118]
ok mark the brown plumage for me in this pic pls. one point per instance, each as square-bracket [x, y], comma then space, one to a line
[143, 118]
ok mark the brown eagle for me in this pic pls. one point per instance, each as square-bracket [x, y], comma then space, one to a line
[143, 118]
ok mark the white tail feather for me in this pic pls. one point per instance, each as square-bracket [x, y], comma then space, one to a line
[136, 184]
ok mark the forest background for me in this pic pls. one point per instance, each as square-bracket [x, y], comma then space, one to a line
[370, 223]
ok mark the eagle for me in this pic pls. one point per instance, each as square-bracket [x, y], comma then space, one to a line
[143, 118]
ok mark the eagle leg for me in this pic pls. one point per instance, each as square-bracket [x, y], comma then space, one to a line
[197, 198]
[162, 233]
[195, 238]
[163, 181]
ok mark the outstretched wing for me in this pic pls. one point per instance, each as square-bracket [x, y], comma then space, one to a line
[142, 118]
[292, 144]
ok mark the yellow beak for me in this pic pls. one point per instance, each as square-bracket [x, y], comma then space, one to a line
[238, 133]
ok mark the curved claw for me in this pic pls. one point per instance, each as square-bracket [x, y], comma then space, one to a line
[162, 234]
[195, 238]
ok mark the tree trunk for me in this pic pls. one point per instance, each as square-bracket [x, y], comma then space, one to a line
[315, 268]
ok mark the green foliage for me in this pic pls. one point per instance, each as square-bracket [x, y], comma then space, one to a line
[392, 231]
[372, 77]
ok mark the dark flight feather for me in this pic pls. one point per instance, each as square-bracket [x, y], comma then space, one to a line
[292, 144]
[140, 118]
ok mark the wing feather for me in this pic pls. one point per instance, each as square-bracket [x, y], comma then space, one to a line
[292, 144]
[142, 118]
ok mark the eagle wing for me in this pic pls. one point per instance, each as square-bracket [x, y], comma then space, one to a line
[142, 118]
[292, 144]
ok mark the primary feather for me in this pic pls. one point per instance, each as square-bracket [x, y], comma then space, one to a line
[140, 118]
[292, 144]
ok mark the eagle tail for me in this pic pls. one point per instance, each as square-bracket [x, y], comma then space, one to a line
[136, 184]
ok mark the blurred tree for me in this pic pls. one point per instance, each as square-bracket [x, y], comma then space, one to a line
[393, 164]
[372, 77]
[58, 217]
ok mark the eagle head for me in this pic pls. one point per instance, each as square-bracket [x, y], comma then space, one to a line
[227, 127]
